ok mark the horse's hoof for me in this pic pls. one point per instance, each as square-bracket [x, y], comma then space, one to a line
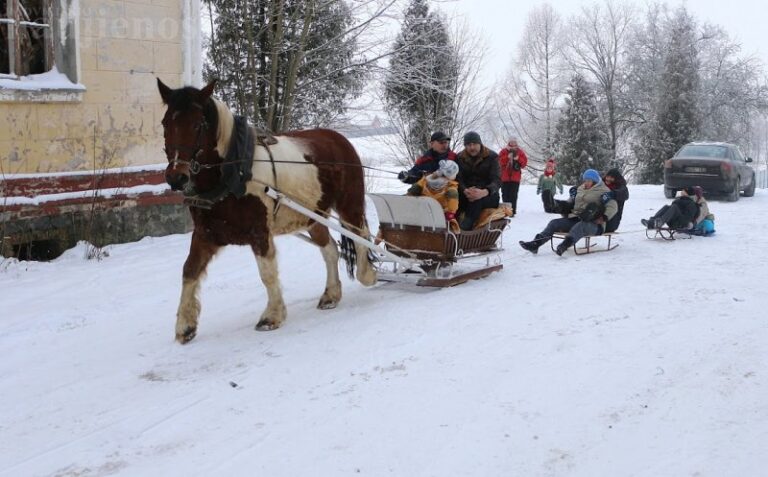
[188, 335]
[327, 304]
[267, 325]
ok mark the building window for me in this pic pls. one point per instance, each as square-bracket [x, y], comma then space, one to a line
[26, 37]
[39, 59]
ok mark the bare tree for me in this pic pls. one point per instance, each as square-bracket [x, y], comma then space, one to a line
[528, 106]
[596, 43]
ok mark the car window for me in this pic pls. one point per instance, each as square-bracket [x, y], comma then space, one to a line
[700, 150]
[737, 155]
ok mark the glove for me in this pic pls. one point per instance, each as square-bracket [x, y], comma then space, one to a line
[403, 176]
[608, 196]
[450, 216]
[538, 191]
[572, 192]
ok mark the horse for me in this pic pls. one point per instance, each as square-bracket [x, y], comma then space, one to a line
[318, 168]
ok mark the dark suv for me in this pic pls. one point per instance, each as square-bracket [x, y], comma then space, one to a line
[718, 167]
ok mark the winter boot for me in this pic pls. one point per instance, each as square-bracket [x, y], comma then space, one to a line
[533, 245]
[563, 246]
[652, 223]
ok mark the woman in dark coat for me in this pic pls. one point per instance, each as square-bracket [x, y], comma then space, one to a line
[619, 192]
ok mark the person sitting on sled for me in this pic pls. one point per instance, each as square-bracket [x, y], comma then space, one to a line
[549, 181]
[681, 214]
[587, 217]
[441, 185]
[439, 150]
[705, 221]
[619, 192]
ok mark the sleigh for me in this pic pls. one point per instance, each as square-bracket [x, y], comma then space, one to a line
[415, 228]
[588, 244]
[415, 245]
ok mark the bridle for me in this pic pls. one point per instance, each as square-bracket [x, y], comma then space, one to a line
[194, 165]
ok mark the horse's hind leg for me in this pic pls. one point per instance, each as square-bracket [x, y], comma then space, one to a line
[274, 315]
[332, 294]
[200, 254]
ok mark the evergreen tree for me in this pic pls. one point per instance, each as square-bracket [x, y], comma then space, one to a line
[420, 87]
[677, 119]
[579, 137]
[284, 63]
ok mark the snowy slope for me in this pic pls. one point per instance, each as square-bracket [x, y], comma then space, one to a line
[647, 361]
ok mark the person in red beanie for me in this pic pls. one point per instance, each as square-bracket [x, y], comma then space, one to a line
[512, 160]
[549, 182]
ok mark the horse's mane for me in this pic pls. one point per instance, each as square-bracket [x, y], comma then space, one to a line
[223, 127]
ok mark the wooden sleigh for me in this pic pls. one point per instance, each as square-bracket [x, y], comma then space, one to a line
[588, 244]
[415, 228]
[414, 244]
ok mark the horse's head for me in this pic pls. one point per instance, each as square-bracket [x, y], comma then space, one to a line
[189, 127]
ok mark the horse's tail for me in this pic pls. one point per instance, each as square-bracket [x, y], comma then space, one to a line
[349, 254]
[359, 260]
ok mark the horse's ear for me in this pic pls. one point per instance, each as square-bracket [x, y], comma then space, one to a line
[165, 91]
[206, 92]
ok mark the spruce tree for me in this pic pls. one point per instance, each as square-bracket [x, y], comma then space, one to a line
[419, 89]
[284, 63]
[677, 119]
[579, 137]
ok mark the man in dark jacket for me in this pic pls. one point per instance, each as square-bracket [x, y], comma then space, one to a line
[479, 179]
[429, 162]
[680, 214]
[619, 192]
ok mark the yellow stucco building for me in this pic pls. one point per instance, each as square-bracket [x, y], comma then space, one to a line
[78, 80]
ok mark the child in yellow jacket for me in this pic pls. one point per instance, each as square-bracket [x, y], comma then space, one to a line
[441, 185]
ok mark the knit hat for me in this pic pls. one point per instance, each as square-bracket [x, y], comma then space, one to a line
[472, 138]
[439, 136]
[449, 169]
[591, 175]
[690, 191]
[699, 191]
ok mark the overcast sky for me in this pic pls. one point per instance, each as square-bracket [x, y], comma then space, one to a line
[502, 22]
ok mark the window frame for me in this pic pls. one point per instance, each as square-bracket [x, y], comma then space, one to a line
[62, 52]
[12, 19]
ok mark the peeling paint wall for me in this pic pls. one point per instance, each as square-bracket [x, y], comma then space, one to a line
[122, 47]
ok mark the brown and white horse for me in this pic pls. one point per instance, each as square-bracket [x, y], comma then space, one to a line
[318, 168]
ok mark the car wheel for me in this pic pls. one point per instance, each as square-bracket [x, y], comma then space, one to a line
[750, 191]
[735, 193]
[669, 193]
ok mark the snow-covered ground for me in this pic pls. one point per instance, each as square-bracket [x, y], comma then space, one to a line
[650, 360]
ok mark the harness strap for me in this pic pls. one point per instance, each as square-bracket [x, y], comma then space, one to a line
[261, 142]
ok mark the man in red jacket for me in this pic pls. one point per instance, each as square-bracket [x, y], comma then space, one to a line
[512, 160]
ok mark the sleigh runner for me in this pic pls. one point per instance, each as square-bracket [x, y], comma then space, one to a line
[589, 244]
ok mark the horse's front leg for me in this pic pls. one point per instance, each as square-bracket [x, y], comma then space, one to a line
[275, 313]
[200, 254]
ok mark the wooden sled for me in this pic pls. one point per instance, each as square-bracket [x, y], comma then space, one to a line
[591, 243]
[415, 228]
[666, 233]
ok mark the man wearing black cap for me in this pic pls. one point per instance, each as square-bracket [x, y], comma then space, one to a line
[479, 179]
[430, 160]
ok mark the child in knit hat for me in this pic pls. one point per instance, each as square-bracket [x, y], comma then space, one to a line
[705, 220]
[548, 183]
[441, 185]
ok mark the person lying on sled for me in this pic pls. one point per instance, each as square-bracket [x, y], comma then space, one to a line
[592, 209]
[679, 215]
[442, 186]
